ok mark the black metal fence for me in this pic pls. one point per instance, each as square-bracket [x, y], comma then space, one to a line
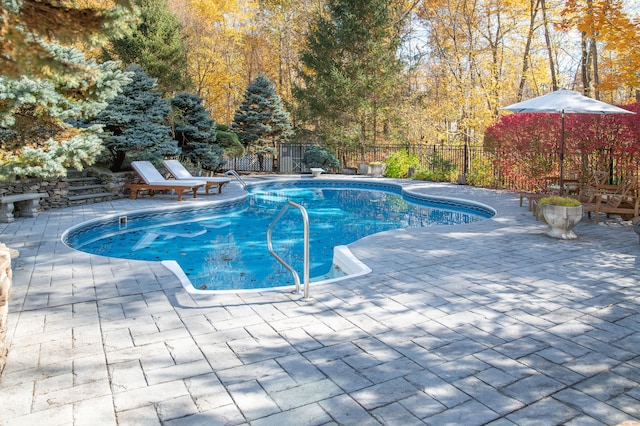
[289, 158]
[470, 164]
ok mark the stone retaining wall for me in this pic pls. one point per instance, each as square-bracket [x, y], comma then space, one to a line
[5, 289]
[57, 188]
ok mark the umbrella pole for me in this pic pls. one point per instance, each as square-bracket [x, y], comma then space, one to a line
[562, 157]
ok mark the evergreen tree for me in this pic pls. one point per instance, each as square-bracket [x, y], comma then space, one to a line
[351, 71]
[155, 43]
[229, 141]
[195, 132]
[261, 120]
[133, 123]
[45, 84]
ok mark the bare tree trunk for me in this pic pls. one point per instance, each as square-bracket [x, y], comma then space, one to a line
[584, 55]
[547, 39]
[527, 48]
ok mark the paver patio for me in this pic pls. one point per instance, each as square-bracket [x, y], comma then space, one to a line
[485, 323]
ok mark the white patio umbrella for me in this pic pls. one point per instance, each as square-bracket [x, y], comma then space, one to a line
[563, 102]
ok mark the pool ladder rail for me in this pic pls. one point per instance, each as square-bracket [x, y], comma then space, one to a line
[305, 219]
[237, 176]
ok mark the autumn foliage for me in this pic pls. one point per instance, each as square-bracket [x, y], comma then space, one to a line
[527, 145]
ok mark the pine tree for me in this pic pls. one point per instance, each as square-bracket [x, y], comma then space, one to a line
[44, 85]
[261, 120]
[350, 70]
[155, 43]
[195, 132]
[133, 123]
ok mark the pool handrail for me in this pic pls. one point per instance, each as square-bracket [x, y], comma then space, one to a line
[305, 220]
[237, 176]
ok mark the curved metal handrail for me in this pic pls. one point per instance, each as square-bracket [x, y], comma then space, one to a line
[234, 173]
[305, 219]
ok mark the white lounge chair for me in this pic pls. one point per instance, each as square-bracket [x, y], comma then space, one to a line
[180, 172]
[154, 181]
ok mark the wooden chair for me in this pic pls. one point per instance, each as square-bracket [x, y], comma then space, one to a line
[621, 199]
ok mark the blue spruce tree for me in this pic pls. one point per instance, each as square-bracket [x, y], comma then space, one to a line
[133, 123]
[195, 132]
[261, 121]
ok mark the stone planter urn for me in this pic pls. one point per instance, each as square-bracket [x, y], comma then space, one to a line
[561, 219]
[377, 169]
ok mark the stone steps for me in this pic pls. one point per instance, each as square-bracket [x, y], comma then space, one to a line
[85, 188]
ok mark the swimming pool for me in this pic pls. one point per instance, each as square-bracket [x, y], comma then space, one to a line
[223, 246]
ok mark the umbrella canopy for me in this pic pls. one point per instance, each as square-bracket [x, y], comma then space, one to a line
[566, 101]
[561, 102]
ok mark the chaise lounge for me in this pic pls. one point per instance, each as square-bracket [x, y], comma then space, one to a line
[619, 199]
[180, 172]
[154, 181]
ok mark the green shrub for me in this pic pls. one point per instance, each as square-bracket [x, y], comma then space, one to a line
[481, 173]
[560, 201]
[443, 169]
[423, 173]
[229, 141]
[318, 156]
[399, 163]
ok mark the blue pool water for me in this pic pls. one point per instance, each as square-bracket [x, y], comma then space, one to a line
[224, 246]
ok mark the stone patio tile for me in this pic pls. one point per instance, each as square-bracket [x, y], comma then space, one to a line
[496, 377]
[344, 375]
[459, 368]
[69, 394]
[300, 339]
[592, 407]
[606, 385]
[311, 414]
[395, 414]
[248, 372]
[469, 413]
[546, 411]
[459, 349]
[390, 370]
[422, 405]
[153, 394]
[252, 400]
[220, 356]
[520, 347]
[300, 369]
[384, 393]
[227, 415]
[184, 350]
[488, 396]
[178, 371]
[442, 391]
[207, 392]
[55, 416]
[626, 404]
[532, 388]
[126, 376]
[551, 369]
[16, 400]
[94, 412]
[146, 415]
[591, 364]
[176, 408]
[307, 393]
[344, 410]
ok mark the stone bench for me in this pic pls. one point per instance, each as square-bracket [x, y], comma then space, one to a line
[26, 205]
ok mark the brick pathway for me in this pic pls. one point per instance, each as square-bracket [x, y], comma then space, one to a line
[485, 323]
